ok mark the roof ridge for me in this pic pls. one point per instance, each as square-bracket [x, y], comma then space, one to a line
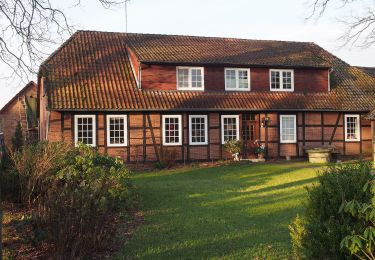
[194, 36]
[365, 67]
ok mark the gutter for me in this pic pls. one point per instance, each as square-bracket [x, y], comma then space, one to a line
[208, 110]
[174, 63]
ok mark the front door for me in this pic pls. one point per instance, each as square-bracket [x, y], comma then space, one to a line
[249, 134]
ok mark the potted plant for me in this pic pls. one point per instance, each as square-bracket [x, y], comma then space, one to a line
[260, 150]
[234, 148]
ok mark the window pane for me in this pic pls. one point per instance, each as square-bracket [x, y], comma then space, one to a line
[229, 128]
[275, 80]
[196, 78]
[243, 81]
[288, 129]
[183, 78]
[287, 80]
[352, 127]
[85, 130]
[198, 128]
[171, 130]
[117, 131]
[230, 79]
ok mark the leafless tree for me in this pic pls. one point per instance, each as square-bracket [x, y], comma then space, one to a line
[28, 29]
[358, 16]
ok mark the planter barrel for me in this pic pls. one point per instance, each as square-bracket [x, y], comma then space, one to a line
[319, 155]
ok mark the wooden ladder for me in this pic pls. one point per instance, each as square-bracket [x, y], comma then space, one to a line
[23, 116]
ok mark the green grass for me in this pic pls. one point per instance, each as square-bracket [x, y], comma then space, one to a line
[225, 212]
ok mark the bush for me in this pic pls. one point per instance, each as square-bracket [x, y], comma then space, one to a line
[76, 193]
[319, 233]
[36, 166]
[297, 233]
[362, 243]
[9, 180]
[17, 139]
[233, 147]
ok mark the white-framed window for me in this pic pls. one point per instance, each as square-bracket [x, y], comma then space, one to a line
[352, 128]
[230, 128]
[237, 79]
[172, 129]
[85, 129]
[117, 129]
[288, 129]
[281, 80]
[190, 78]
[198, 129]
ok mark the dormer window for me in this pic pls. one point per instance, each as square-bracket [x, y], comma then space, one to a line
[237, 79]
[281, 80]
[190, 78]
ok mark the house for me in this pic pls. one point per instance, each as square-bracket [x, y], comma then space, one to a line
[137, 95]
[21, 108]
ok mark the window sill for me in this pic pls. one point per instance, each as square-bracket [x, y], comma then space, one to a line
[174, 144]
[288, 142]
[198, 144]
[189, 89]
[282, 90]
[242, 90]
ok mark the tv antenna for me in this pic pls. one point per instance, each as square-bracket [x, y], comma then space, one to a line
[126, 15]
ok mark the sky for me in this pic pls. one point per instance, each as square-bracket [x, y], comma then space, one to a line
[250, 19]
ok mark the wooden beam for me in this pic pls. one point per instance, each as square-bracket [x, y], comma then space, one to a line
[334, 129]
[266, 135]
[128, 133]
[62, 126]
[304, 129]
[105, 132]
[188, 141]
[97, 127]
[297, 134]
[343, 135]
[208, 138]
[150, 126]
[144, 137]
[278, 134]
[360, 134]
[322, 127]
[373, 141]
[220, 138]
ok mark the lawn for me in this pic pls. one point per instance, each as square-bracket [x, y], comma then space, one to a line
[224, 212]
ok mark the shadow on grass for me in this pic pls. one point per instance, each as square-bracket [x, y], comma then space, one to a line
[235, 211]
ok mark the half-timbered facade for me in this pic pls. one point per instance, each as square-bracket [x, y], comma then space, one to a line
[133, 95]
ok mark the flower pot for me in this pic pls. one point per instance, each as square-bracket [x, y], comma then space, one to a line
[260, 155]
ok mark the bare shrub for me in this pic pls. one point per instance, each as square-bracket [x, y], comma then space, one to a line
[167, 158]
[76, 194]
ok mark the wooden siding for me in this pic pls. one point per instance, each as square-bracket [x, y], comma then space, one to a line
[14, 112]
[145, 131]
[163, 77]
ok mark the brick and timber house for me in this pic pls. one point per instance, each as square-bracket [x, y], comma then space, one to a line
[21, 108]
[133, 95]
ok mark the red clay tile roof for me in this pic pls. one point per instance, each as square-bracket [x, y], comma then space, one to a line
[91, 71]
[368, 70]
[155, 48]
[371, 115]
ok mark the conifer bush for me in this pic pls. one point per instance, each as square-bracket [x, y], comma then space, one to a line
[318, 233]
